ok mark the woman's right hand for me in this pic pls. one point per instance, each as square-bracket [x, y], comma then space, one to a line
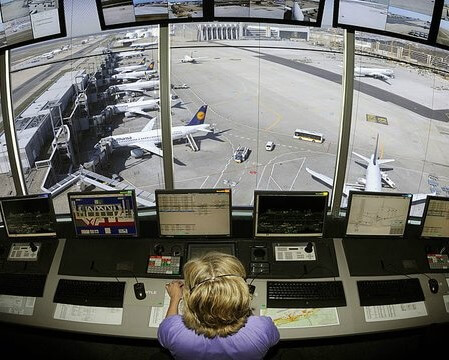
[175, 290]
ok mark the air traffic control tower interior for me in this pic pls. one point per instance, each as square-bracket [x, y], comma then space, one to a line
[308, 138]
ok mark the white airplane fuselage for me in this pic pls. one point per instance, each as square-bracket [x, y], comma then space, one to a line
[134, 75]
[138, 86]
[372, 72]
[154, 136]
[373, 176]
[142, 105]
[130, 68]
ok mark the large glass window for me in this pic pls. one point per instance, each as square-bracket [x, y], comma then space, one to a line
[401, 108]
[260, 82]
[84, 107]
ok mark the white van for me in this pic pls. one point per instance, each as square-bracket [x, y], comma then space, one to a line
[269, 146]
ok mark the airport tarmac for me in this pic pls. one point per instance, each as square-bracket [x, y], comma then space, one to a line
[257, 96]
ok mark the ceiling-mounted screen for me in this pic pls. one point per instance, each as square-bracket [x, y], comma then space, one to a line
[401, 18]
[134, 12]
[122, 13]
[304, 12]
[443, 31]
[24, 22]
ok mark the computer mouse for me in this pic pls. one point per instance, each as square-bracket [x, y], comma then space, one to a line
[433, 286]
[139, 291]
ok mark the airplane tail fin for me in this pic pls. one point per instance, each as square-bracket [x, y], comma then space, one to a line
[199, 117]
[142, 61]
[151, 66]
[375, 150]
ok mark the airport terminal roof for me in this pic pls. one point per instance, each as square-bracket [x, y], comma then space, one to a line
[54, 93]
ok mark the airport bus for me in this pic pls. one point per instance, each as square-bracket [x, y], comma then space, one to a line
[309, 135]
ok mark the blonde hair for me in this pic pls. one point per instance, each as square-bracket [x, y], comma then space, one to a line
[216, 296]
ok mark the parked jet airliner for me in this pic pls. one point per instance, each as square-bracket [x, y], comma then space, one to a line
[147, 138]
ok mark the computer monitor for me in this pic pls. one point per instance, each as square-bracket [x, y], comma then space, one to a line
[435, 221]
[194, 212]
[289, 214]
[28, 216]
[104, 213]
[374, 214]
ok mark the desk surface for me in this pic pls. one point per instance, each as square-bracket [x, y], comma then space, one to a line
[136, 313]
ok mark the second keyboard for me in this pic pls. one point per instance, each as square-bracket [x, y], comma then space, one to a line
[305, 294]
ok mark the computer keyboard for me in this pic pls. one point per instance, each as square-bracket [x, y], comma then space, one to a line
[90, 293]
[23, 284]
[384, 292]
[305, 294]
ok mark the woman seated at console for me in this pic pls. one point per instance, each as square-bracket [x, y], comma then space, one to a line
[217, 321]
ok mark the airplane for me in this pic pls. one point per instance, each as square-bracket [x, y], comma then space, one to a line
[143, 45]
[135, 75]
[128, 54]
[380, 74]
[146, 139]
[48, 55]
[375, 177]
[191, 59]
[141, 66]
[139, 86]
[135, 108]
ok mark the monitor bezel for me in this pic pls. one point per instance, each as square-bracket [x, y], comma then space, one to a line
[62, 32]
[284, 193]
[86, 194]
[27, 197]
[423, 218]
[375, 193]
[209, 16]
[198, 191]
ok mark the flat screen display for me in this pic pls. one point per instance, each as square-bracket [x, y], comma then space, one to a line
[113, 12]
[106, 213]
[194, 212]
[198, 250]
[407, 18]
[377, 214]
[24, 22]
[435, 221]
[29, 216]
[289, 214]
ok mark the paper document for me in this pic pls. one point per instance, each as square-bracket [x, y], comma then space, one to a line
[302, 318]
[157, 313]
[19, 305]
[89, 314]
[395, 311]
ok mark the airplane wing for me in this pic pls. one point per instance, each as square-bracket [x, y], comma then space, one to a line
[148, 146]
[150, 124]
[384, 161]
[328, 181]
[361, 157]
[139, 111]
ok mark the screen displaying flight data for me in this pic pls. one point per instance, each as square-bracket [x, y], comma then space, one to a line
[205, 212]
[289, 214]
[377, 214]
[24, 22]
[28, 216]
[411, 18]
[106, 213]
[436, 218]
